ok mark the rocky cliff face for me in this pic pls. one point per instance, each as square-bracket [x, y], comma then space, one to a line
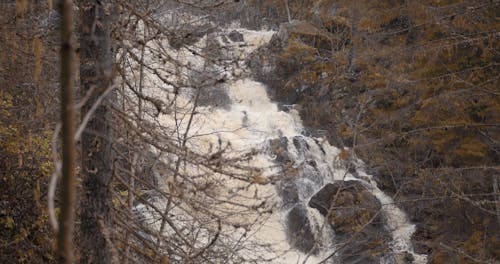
[394, 91]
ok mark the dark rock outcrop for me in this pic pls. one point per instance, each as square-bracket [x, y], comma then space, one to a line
[279, 147]
[235, 36]
[299, 229]
[350, 204]
[353, 213]
[288, 193]
[188, 35]
[291, 191]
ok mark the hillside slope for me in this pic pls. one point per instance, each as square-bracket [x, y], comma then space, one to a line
[412, 89]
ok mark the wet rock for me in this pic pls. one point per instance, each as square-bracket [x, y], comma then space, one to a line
[353, 213]
[288, 193]
[188, 35]
[215, 96]
[279, 147]
[299, 229]
[300, 144]
[351, 204]
[291, 97]
[236, 36]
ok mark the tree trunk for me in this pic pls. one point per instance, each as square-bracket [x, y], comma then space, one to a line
[65, 234]
[97, 160]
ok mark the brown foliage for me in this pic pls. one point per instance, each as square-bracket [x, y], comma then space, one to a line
[414, 90]
[26, 115]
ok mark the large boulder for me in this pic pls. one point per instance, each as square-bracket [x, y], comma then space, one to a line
[349, 205]
[354, 214]
[299, 229]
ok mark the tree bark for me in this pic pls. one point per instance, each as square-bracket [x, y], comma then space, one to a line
[65, 234]
[97, 157]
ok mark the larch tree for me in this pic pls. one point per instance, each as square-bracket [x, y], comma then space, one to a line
[29, 72]
[96, 60]
[65, 234]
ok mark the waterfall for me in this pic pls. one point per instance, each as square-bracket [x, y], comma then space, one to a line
[251, 120]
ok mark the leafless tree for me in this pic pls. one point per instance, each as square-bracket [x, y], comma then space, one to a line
[167, 199]
[96, 61]
[65, 235]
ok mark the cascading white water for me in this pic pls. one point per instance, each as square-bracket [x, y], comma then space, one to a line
[250, 122]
